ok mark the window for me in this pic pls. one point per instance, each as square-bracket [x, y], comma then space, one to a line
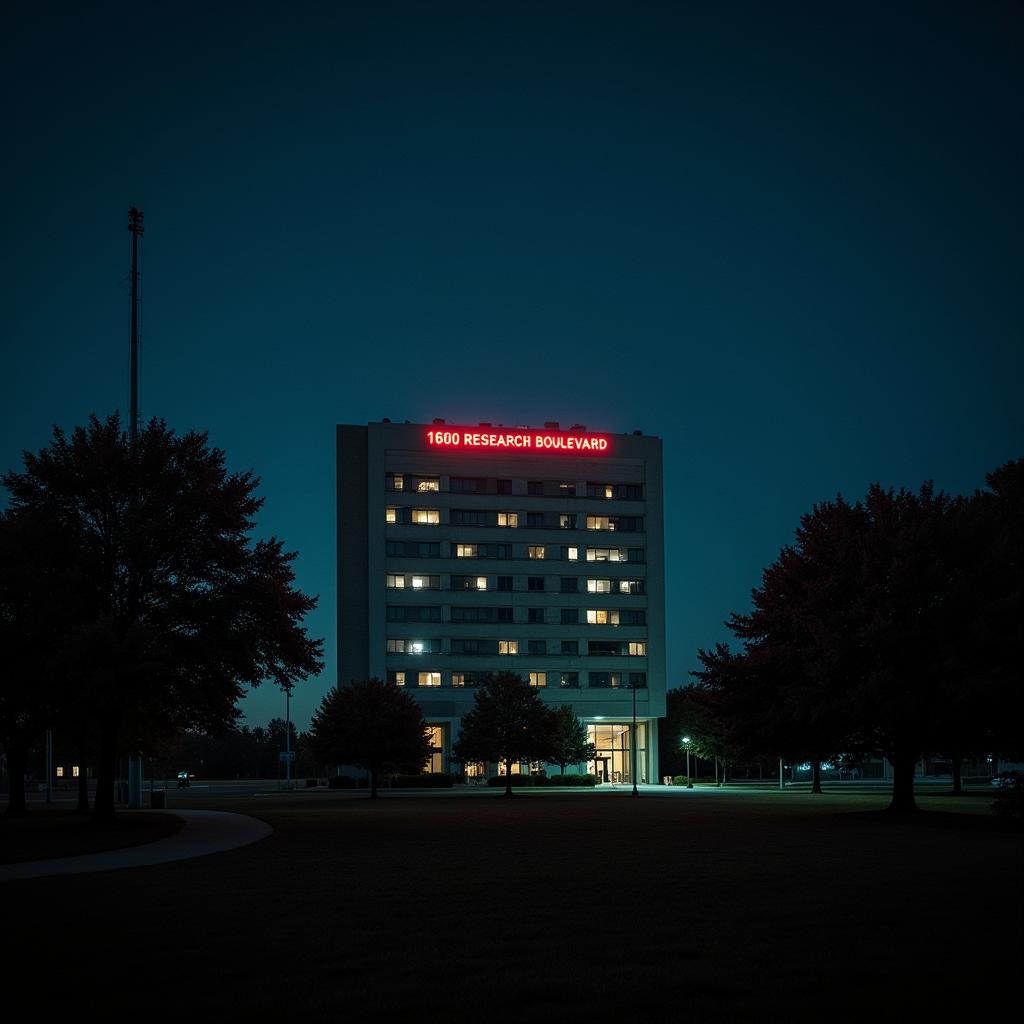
[570, 616]
[426, 516]
[413, 613]
[469, 517]
[504, 486]
[510, 519]
[398, 678]
[396, 647]
[602, 617]
[538, 679]
[426, 583]
[74, 771]
[569, 585]
[535, 520]
[604, 648]
[465, 551]
[567, 521]
[469, 583]
[631, 586]
[536, 647]
[504, 614]
[428, 483]
[599, 586]
[638, 680]
[535, 615]
[508, 646]
[630, 492]
[535, 551]
[571, 647]
[569, 679]
[535, 487]
[604, 680]
[428, 678]
[60, 770]
[467, 484]
[636, 617]
[470, 646]
[637, 649]
[606, 554]
[570, 554]
[534, 582]
[600, 523]
[391, 514]
[395, 581]
[402, 646]
[635, 555]
[467, 678]
[567, 490]
[504, 583]
[394, 481]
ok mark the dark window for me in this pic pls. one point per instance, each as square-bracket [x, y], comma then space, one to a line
[467, 678]
[570, 585]
[535, 583]
[535, 520]
[466, 646]
[569, 678]
[394, 547]
[504, 583]
[504, 486]
[467, 484]
[571, 647]
[469, 517]
[636, 554]
[504, 614]
[638, 679]
[535, 615]
[629, 617]
[568, 489]
[535, 487]
[570, 616]
[604, 680]
[604, 648]
[536, 647]
[629, 492]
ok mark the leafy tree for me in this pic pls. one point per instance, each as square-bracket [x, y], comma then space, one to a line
[374, 725]
[183, 610]
[569, 742]
[689, 712]
[507, 723]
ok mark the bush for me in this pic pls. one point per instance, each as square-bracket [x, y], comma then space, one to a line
[341, 782]
[572, 780]
[1009, 801]
[425, 780]
[517, 780]
[680, 780]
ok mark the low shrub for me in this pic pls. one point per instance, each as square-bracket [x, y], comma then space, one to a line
[425, 780]
[680, 780]
[572, 780]
[521, 781]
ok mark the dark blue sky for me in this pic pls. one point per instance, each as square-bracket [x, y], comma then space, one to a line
[785, 238]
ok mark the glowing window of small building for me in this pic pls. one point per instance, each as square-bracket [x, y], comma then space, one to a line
[428, 678]
[428, 483]
[599, 586]
[426, 516]
[508, 519]
[391, 514]
[638, 648]
[508, 646]
[535, 551]
[538, 679]
[74, 771]
[465, 551]
[60, 772]
[396, 581]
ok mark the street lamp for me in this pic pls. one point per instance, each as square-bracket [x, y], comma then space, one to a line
[689, 781]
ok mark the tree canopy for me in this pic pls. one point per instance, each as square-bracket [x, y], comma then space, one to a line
[176, 609]
[569, 741]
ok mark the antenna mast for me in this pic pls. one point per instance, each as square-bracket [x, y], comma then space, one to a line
[135, 226]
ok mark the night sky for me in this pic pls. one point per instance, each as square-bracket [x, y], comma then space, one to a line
[784, 238]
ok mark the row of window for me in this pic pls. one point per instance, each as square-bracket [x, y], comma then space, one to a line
[486, 646]
[566, 680]
[490, 485]
[538, 616]
[401, 514]
[533, 552]
[566, 584]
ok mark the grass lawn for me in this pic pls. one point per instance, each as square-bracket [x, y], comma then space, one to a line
[705, 905]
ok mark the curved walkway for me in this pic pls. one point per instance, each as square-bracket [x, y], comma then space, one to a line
[204, 832]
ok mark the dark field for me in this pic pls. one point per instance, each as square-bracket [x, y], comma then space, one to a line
[700, 906]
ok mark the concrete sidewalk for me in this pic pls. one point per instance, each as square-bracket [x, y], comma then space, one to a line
[204, 832]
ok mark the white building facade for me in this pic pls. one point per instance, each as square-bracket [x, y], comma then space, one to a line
[464, 551]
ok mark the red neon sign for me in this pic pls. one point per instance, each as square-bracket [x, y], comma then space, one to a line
[519, 440]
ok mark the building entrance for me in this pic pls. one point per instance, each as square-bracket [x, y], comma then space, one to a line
[613, 760]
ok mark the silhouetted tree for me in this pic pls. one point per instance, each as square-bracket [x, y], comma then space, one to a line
[183, 610]
[373, 725]
[689, 712]
[507, 723]
[569, 741]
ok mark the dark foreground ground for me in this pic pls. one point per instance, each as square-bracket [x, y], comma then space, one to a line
[697, 906]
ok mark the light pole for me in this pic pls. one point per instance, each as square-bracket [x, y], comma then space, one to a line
[689, 781]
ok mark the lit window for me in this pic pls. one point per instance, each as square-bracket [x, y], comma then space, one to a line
[567, 522]
[481, 583]
[391, 515]
[508, 518]
[572, 554]
[394, 481]
[426, 516]
[418, 582]
[638, 649]
[606, 554]
[396, 647]
[396, 582]
[398, 678]
[458, 679]
[414, 647]
[74, 771]
[599, 586]
[60, 772]
[428, 483]
[609, 491]
[600, 523]
[465, 551]
[538, 679]
[602, 617]
[631, 586]
[428, 678]
[508, 646]
[535, 551]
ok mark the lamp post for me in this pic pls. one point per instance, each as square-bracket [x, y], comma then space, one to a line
[689, 781]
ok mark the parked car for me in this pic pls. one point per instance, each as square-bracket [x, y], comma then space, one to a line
[1007, 780]
[184, 780]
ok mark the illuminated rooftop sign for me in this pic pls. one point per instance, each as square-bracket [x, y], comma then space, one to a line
[519, 440]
